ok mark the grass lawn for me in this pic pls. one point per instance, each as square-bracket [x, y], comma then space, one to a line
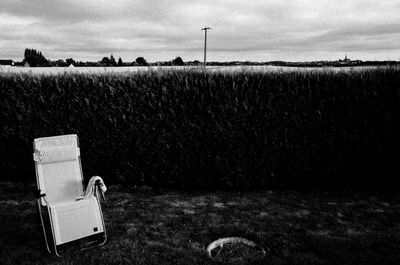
[171, 227]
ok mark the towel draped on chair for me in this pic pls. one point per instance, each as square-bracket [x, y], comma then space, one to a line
[95, 184]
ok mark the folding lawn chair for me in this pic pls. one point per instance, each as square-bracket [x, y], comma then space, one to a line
[72, 221]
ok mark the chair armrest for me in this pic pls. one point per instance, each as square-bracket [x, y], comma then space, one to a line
[39, 194]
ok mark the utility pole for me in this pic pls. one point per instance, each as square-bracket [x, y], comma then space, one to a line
[205, 45]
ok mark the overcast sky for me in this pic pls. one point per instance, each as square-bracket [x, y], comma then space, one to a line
[256, 30]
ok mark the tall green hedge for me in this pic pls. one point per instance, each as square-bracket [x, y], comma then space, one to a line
[197, 129]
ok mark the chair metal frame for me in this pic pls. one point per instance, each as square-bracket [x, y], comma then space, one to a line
[41, 207]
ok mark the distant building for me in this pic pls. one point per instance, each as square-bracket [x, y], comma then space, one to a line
[6, 62]
[345, 60]
[26, 64]
[71, 66]
[60, 63]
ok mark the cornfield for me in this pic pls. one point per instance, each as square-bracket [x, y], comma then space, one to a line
[211, 130]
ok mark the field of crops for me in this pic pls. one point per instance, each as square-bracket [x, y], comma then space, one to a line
[135, 69]
[211, 129]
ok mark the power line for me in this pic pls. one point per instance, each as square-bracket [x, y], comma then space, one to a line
[205, 45]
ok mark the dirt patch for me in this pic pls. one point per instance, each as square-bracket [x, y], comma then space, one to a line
[219, 205]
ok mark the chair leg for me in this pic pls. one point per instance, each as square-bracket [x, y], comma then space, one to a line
[52, 232]
[43, 226]
[94, 243]
[56, 252]
[102, 220]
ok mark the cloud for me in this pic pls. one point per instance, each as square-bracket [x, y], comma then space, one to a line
[256, 30]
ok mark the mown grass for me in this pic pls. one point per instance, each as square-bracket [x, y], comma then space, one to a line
[170, 227]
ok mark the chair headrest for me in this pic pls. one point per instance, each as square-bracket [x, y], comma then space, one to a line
[54, 141]
[56, 154]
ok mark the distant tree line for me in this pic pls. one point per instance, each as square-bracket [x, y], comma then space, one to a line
[35, 58]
